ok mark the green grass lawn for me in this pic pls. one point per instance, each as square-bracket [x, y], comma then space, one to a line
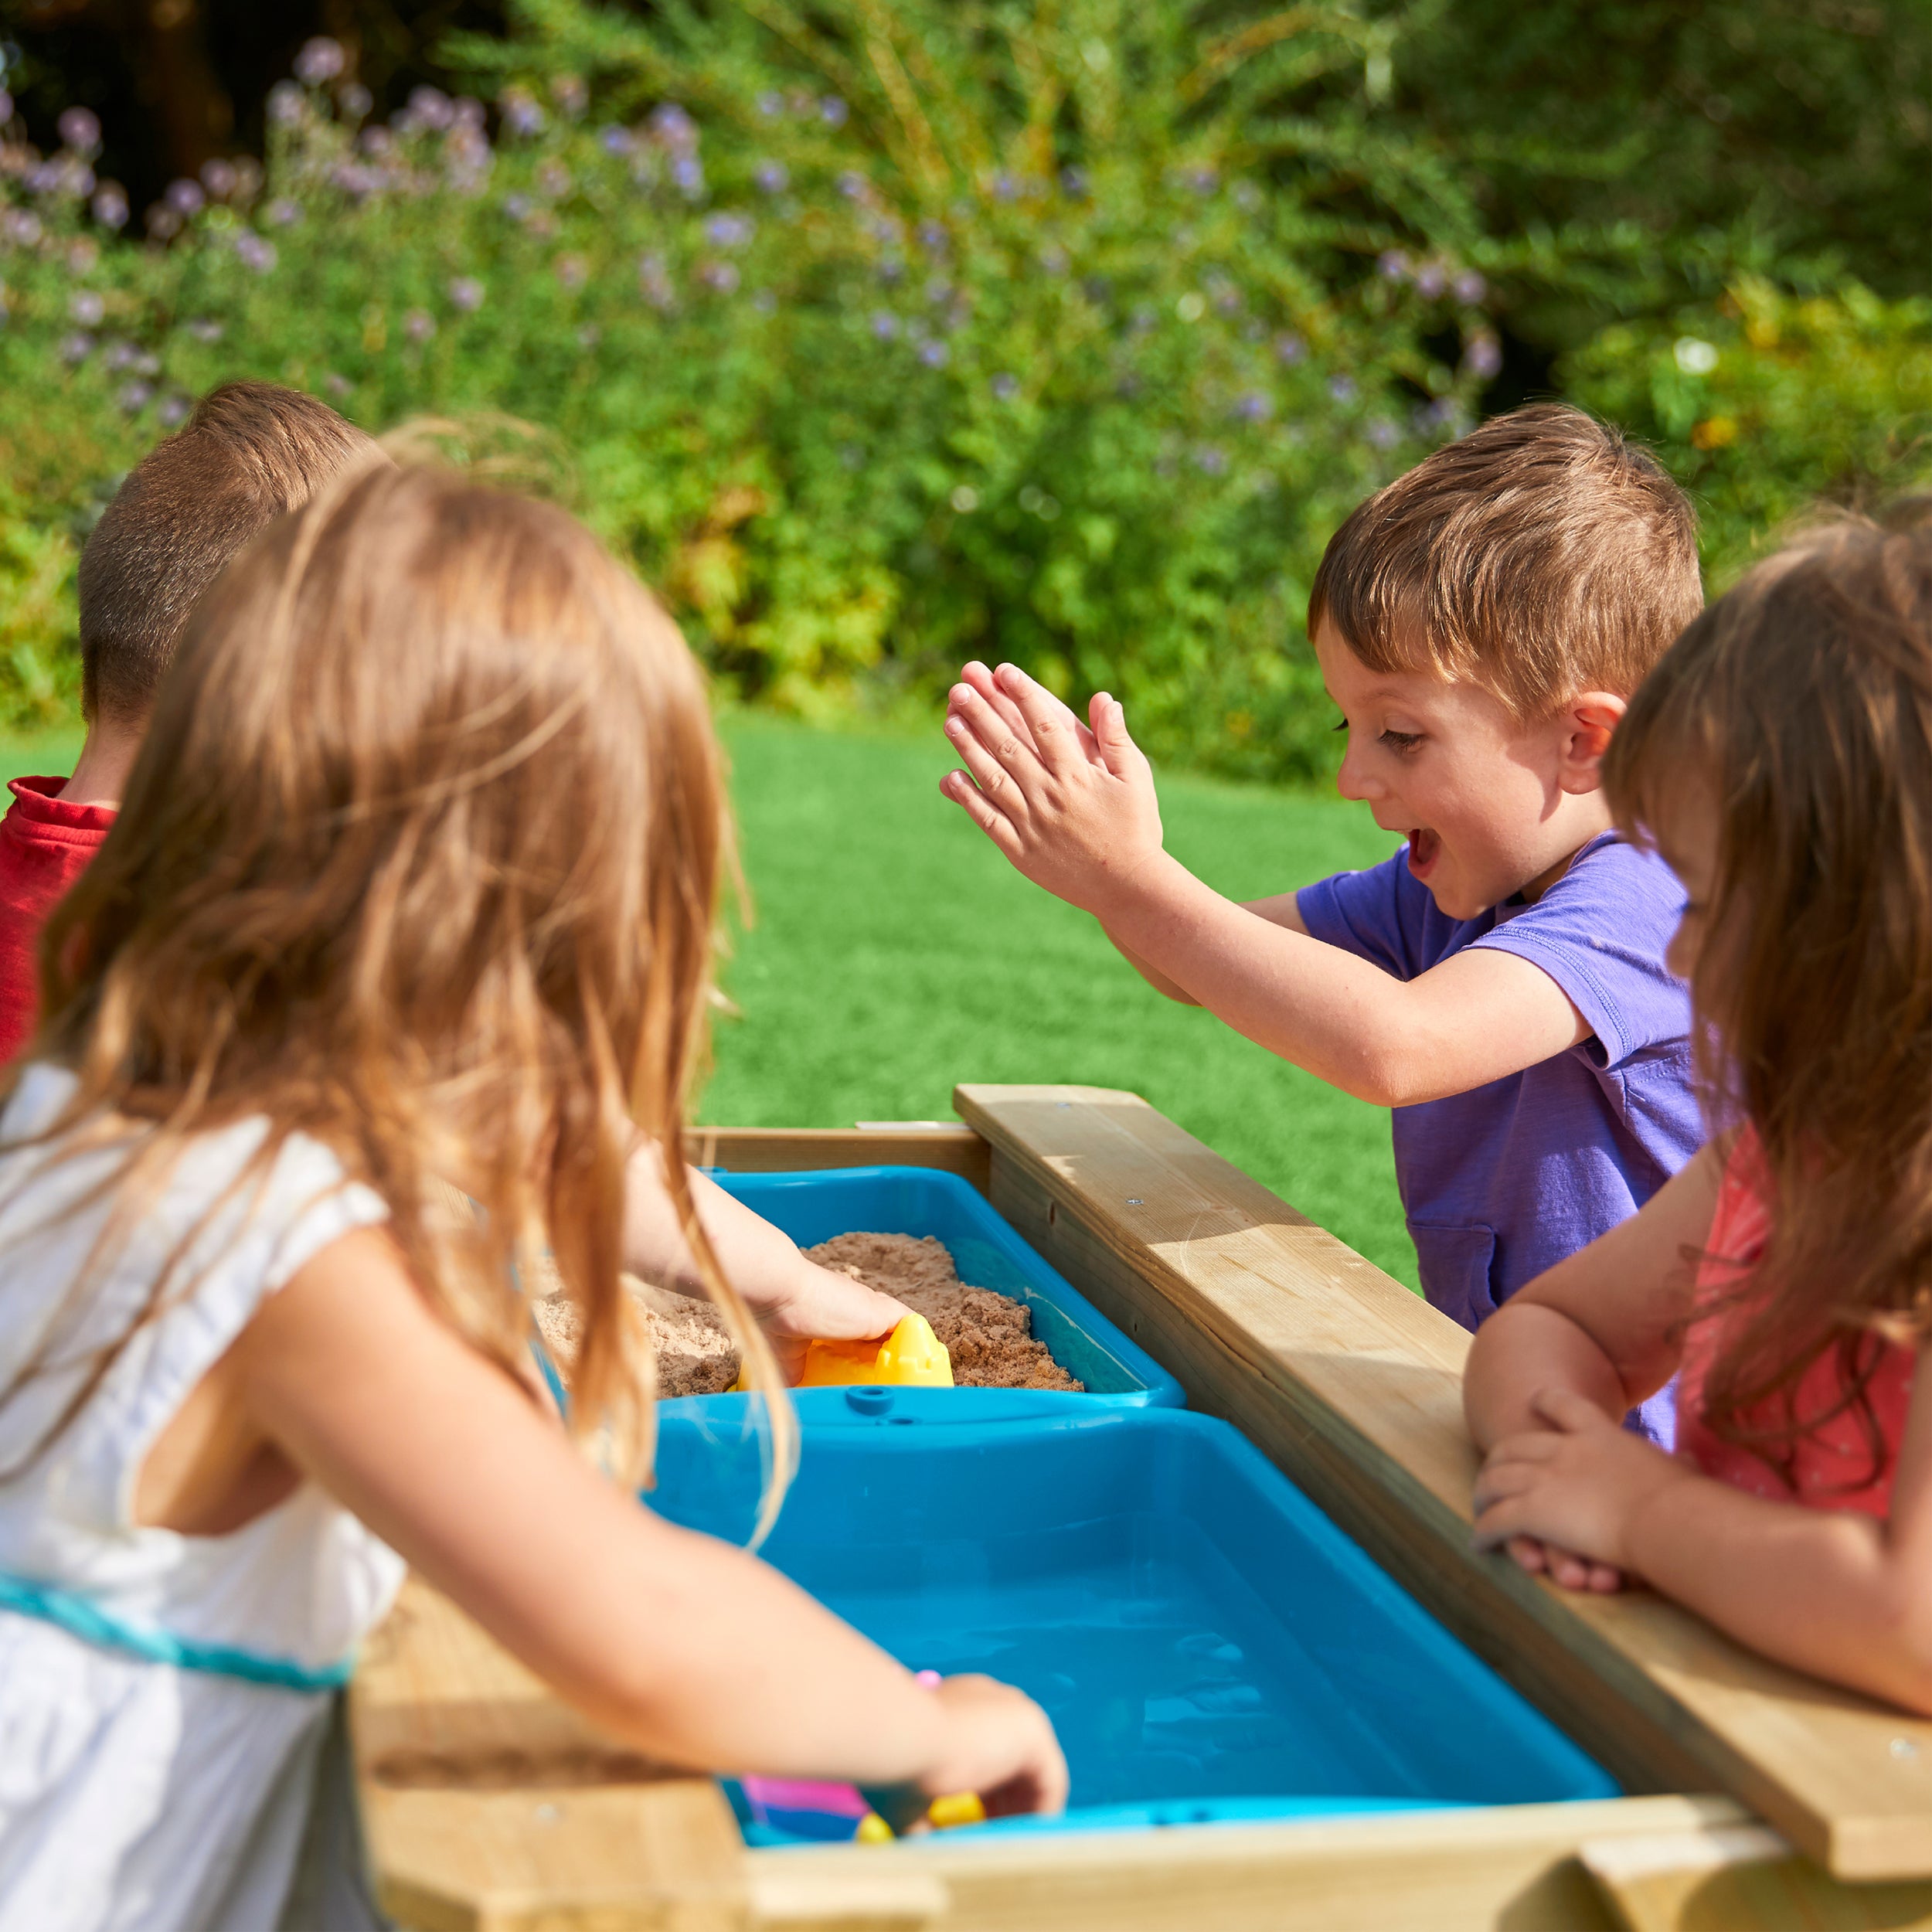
[893, 952]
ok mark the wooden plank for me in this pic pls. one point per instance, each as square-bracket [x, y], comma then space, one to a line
[1512, 1869]
[770, 1150]
[1352, 1384]
[1738, 1876]
[489, 1806]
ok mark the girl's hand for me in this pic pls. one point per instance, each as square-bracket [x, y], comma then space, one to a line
[1073, 808]
[998, 1742]
[819, 1304]
[1562, 1497]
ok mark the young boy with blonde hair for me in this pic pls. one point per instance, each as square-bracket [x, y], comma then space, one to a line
[1499, 982]
[251, 451]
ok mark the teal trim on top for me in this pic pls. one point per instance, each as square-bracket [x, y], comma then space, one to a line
[81, 1617]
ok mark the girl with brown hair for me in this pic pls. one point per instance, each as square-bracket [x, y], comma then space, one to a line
[414, 886]
[1779, 757]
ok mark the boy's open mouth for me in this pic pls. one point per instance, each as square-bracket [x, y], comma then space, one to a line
[1424, 847]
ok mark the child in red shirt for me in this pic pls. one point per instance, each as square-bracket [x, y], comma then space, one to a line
[251, 451]
[1779, 758]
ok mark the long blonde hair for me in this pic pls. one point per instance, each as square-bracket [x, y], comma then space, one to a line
[421, 857]
[1803, 698]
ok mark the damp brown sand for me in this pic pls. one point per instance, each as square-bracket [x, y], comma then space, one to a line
[989, 1336]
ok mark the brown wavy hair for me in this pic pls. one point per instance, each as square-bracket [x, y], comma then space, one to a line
[1801, 705]
[421, 857]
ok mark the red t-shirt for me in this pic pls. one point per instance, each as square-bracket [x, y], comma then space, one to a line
[45, 845]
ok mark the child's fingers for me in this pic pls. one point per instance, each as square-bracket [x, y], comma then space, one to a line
[989, 819]
[1117, 750]
[995, 783]
[1052, 726]
[1564, 1410]
[1528, 1552]
[1012, 747]
[978, 682]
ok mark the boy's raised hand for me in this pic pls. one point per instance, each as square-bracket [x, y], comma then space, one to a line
[1072, 806]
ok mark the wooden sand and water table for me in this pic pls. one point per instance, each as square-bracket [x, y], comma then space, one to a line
[1759, 1797]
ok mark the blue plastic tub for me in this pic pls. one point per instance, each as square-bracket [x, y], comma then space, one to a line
[1209, 1646]
[813, 1206]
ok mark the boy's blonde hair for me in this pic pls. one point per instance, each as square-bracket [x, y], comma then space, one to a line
[251, 451]
[1541, 555]
[420, 856]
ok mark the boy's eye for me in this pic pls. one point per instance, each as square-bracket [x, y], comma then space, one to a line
[1402, 740]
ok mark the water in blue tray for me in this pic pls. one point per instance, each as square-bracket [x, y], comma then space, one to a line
[1208, 1644]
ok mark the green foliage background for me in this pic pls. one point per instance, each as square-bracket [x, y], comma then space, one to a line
[883, 333]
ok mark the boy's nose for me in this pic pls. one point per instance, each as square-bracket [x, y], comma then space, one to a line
[1354, 781]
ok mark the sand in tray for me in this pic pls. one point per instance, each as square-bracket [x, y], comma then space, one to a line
[989, 1335]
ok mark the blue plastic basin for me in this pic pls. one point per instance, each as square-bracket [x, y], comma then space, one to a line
[1209, 1646]
[813, 1206]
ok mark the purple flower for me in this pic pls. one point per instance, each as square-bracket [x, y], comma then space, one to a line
[162, 221]
[248, 178]
[110, 205]
[185, 197]
[1382, 434]
[1005, 187]
[79, 129]
[467, 112]
[205, 329]
[1342, 388]
[1203, 181]
[1073, 183]
[337, 385]
[1254, 407]
[521, 114]
[1211, 461]
[356, 99]
[770, 105]
[933, 237]
[255, 251]
[852, 184]
[553, 180]
[76, 348]
[418, 325]
[122, 355]
[728, 231]
[1004, 386]
[285, 103]
[1470, 287]
[353, 178]
[466, 294]
[173, 411]
[617, 140]
[934, 355]
[1430, 281]
[831, 111]
[87, 307]
[891, 267]
[282, 212]
[430, 107]
[688, 172]
[134, 397]
[720, 276]
[320, 59]
[1483, 358]
[377, 140]
[772, 176]
[517, 207]
[1393, 265]
[572, 271]
[569, 94]
[218, 177]
[885, 324]
[674, 127]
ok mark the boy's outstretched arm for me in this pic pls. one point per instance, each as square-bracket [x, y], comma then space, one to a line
[1073, 807]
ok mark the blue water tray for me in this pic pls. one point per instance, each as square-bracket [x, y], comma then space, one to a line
[813, 1206]
[1208, 1645]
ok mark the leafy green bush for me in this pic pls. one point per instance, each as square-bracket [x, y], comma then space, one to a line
[1768, 403]
[902, 335]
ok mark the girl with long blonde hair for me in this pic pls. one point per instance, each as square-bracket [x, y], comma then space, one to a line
[1780, 759]
[412, 889]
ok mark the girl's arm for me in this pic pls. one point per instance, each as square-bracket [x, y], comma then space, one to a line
[1601, 1324]
[686, 1647]
[793, 1298]
[1833, 1592]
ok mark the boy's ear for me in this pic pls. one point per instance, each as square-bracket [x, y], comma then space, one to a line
[1585, 724]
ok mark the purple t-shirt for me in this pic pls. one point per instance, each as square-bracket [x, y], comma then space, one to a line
[1506, 1180]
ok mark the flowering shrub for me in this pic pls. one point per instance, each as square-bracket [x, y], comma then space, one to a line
[877, 344]
[1770, 401]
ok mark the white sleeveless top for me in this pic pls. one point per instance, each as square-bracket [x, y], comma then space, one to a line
[134, 1795]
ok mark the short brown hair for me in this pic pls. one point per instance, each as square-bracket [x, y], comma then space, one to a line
[251, 451]
[1542, 555]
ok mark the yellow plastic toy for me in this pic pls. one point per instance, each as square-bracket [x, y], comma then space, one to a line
[911, 1355]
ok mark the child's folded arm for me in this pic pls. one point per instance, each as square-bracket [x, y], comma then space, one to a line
[1604, 1324]
[688, 1647]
